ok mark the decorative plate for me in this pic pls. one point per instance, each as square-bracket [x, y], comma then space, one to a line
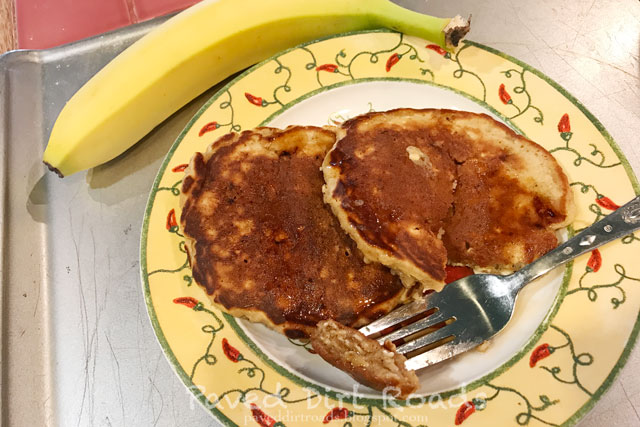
[572, 330]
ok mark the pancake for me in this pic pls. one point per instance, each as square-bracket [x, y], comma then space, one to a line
[376, 365]
[263, 244]
[418, 188]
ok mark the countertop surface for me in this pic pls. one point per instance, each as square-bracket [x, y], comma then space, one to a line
[589, 47]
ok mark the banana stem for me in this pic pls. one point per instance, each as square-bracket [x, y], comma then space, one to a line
[392, 16]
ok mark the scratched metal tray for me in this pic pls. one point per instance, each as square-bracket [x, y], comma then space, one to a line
[77, 345]
[78, 348]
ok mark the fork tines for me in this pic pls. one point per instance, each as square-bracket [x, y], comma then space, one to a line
[421, 331]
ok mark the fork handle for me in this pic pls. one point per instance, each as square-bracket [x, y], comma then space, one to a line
[617, 224]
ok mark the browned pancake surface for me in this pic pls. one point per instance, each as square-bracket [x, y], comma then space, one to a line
[395, 204]
[494, 214]
[401, 180]
[263, 243]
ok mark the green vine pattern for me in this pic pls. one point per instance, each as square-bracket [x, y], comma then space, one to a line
[530, 412]
[344, 66]
[522, 89]
[228, 105]
[597, 210]
[284, 86]
[173, 227]
[174, 189]
[592, 291]
[251, 370]
[374, 57]
[186, 278]
[461, 71]
[593, 207]
[523, 418]
[578, 360]
[313, 64]
[208, 357]
[231, 124]
[596, 156]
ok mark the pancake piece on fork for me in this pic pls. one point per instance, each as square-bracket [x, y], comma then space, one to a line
[263, 244]
[416, 189]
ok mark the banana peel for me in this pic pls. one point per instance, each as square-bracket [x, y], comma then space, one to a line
[198, 48]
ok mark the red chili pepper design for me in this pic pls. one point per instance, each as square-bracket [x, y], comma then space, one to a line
[330, 68]
[464, 411]
[595, 260]
[606, 203]
[336, 414]
[261, 418]
[231, 352]
[437, 49]
[504, 95]
[209, 127]
[393, 60]
[455, 272]
[186, 301]
[564, 125]
[180, 168]
[539, 353]
[255, 100]
[171, 219]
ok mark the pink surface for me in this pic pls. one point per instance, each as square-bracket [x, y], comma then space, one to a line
[147, 9]
[47, 23]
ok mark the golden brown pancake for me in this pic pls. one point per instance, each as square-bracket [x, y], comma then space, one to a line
[414, 188]
[264, 245]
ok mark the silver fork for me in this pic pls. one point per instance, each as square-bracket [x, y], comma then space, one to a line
[473, 309]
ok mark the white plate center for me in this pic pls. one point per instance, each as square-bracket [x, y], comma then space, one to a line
[534, 301]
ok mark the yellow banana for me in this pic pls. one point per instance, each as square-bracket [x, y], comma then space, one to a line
[197, 48]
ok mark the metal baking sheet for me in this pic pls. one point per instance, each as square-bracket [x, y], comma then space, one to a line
[77, 345]
[78, 348]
